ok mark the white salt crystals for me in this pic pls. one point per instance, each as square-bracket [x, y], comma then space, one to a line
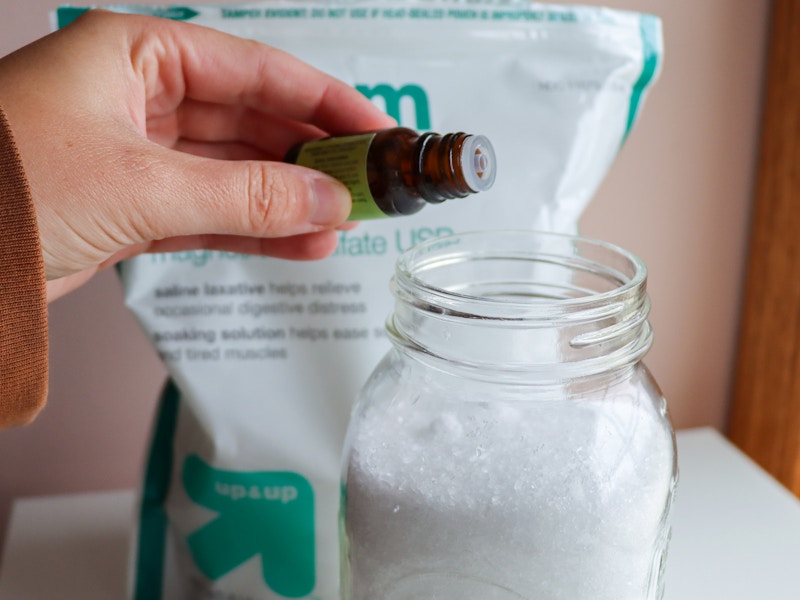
[454, 498]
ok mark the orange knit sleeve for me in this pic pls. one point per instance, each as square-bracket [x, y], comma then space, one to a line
[23, 296]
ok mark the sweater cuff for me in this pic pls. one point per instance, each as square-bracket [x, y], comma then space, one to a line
[23, 295]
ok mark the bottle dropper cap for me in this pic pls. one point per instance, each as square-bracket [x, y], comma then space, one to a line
[478, 163]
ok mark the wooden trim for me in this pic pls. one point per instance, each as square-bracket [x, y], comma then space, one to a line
[765, 414]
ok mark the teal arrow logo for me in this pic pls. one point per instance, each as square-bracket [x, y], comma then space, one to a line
[268, 514]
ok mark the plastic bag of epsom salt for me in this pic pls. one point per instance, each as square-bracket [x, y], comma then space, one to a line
[241, 487]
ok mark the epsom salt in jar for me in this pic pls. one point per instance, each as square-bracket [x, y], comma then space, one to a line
[512, 444]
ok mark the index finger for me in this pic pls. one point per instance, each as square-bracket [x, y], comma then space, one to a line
[177, 60]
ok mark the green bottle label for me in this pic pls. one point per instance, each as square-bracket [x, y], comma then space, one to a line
[345, 158]
[269, 514]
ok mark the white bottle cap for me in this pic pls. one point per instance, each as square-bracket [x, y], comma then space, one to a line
[478, 163]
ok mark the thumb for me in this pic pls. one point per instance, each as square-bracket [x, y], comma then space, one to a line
[196, 196]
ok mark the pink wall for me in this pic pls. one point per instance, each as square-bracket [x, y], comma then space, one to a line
[678, 196]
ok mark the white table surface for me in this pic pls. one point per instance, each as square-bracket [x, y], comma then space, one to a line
[736, 535]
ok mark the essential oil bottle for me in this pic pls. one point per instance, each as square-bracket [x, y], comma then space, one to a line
[398, 171]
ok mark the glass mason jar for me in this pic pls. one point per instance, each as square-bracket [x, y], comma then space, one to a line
[511, 444]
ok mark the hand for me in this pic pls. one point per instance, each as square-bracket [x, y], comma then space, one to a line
[140, 134]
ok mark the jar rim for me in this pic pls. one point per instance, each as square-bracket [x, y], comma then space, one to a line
[521, 304]
[522, 245]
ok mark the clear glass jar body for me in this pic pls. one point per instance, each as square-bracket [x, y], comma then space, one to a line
[512, 444]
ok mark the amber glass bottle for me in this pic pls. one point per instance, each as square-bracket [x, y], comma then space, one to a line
[398, 171]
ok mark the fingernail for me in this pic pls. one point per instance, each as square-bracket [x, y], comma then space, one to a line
[332, 202]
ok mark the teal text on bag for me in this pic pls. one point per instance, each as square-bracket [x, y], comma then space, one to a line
[392, 98]
[67, 14]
